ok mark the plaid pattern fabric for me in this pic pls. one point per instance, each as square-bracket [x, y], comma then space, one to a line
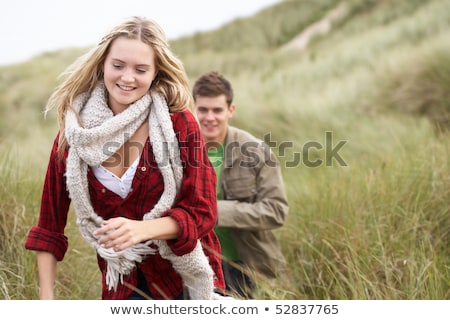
[195, 211]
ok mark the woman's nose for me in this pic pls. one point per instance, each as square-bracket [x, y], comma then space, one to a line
[127, 76]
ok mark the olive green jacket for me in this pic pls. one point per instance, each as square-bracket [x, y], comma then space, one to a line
[254, 201]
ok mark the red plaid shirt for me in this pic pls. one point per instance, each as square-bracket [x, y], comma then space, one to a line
[195, 211]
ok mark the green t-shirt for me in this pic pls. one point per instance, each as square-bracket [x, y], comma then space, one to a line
[229, 251]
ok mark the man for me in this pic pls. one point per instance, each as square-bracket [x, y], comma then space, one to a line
[251, 194]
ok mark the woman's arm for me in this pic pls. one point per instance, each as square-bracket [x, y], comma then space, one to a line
[47, 274]
[121, 233]
[48, 238]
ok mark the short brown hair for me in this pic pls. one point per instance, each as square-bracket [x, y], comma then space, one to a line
[213, 84]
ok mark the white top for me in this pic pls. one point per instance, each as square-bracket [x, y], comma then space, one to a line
[120, 186]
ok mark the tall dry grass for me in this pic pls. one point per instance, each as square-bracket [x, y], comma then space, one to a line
[374, 228]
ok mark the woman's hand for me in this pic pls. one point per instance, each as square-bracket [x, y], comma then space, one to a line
[121, 233]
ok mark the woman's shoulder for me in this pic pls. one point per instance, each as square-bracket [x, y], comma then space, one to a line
[185, 115]
[184, 120]
[186, 128]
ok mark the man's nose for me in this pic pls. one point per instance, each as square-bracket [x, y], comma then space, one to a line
[209, 115]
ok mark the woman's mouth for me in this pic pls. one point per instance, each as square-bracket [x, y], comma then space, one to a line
[125, 88]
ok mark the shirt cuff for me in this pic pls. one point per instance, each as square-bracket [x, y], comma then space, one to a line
[40, 239]
[187, 235]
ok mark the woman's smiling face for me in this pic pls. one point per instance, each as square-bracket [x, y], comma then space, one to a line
[128, 70]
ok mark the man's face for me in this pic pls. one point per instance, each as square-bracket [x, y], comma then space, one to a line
[213, 114]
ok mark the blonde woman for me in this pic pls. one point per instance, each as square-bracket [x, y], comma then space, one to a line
[130, 157]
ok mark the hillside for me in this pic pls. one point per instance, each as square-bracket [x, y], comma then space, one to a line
[365, 82]
[255, 46]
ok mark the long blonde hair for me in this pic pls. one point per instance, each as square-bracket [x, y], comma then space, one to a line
[84, 74]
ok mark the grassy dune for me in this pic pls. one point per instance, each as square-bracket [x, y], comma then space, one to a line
[370, 221]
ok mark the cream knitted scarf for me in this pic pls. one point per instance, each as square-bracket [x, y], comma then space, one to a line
[101, 128]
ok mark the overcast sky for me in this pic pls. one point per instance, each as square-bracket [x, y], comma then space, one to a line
[31, 27]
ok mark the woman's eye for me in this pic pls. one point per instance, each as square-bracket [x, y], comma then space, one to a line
[117, 66]
[141, 70]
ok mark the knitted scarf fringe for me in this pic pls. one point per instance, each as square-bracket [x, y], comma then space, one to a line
[87, 148]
